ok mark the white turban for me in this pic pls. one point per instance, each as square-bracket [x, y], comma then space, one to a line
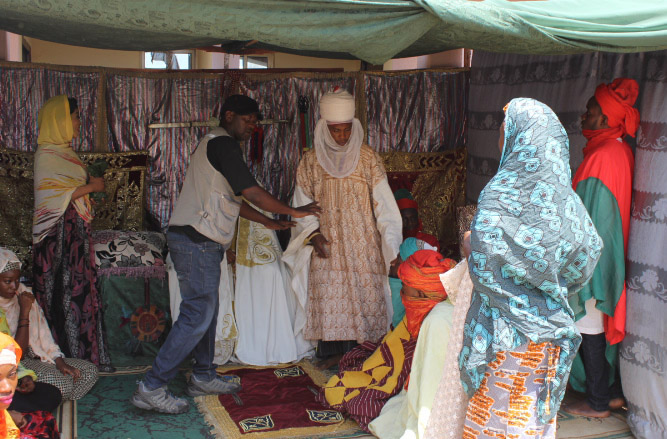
[337, 106]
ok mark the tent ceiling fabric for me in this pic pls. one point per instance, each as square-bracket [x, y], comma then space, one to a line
[371, 30]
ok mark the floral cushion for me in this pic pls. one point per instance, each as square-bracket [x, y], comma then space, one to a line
[134, 254]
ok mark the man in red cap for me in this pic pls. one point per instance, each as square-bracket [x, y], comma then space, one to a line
[412, 225]
[604, 183]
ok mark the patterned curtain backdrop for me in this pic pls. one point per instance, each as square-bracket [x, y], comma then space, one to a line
[565, 84]
[274, 159]
[644, 350]
[24, 90]
[134, 102]
[422, 111]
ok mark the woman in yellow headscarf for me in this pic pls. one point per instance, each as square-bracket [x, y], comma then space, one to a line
[64, 271]
[10, 355]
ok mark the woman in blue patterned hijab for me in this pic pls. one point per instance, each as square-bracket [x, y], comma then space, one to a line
[533, 244]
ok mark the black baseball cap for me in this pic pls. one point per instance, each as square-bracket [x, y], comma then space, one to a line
[242, 105]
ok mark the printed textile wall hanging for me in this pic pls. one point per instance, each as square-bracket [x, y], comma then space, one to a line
[437, 183]
[123, 209]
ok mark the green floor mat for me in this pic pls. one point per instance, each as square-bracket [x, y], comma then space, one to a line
[106, 413]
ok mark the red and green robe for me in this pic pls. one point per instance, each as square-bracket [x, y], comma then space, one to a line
[604, 183]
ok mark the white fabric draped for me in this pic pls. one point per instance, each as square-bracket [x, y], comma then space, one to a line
[338, 161]
[266, 307]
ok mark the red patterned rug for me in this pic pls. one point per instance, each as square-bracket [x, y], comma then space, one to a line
[276, 402]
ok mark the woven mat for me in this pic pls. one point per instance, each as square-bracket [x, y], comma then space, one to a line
[579, 427]
[66, 417]
[225, 428]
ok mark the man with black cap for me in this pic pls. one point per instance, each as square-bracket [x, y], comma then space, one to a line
[200, 230]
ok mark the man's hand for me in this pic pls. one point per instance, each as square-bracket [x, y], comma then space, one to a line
[279, 224]
[393, 266]
[309, 209]
[321, 246]
[26, 385]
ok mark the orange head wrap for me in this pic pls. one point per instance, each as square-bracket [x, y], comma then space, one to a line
[616, 101]
[422, 271]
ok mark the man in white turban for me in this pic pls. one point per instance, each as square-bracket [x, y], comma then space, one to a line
[340, 260]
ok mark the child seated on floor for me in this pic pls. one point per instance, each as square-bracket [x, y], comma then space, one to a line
[26, 321]
[33, 401]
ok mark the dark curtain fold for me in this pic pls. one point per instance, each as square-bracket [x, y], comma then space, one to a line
[417, 112]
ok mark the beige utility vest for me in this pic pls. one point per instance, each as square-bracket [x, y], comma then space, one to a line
[207, 201]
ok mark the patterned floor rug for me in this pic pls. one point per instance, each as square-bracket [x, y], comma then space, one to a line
[578, 427]
[575, 427]
[106, 413]
[276, 402]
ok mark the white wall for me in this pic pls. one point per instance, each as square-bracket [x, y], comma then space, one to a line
[11, 47]
[450, 58]
[54, 53]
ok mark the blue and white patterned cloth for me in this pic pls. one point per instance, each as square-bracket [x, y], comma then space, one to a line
[533, 244]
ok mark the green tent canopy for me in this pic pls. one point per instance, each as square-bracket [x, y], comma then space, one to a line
[371, 30]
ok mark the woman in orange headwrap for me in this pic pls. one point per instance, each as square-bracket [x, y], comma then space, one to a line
[10, 355]
[422, 289]
[372, 373]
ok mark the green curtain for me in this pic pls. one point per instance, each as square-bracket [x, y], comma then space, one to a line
[371, 30]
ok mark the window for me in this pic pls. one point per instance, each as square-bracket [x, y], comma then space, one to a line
[255, 62]
[174, 60]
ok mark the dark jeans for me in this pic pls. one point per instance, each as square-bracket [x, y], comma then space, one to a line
[598, 390]
[197, 265]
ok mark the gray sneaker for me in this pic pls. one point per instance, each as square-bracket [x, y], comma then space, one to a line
[216, 386]
[160, 400]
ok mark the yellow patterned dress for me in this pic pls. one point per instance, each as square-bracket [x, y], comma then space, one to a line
[347, 299]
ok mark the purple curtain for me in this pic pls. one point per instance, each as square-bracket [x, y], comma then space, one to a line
[417, 112]
[23, 91]
[135, 102]
[283, 142]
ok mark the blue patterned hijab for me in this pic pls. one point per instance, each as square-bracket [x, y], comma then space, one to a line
[533, 244]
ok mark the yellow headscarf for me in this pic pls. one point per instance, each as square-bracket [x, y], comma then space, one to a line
[58, 169]
[10, 353]
[55, 122]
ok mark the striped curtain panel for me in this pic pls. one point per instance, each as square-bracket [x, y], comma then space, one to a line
[416, 111]
[643, 353]
[134, 102]
[24, 90]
